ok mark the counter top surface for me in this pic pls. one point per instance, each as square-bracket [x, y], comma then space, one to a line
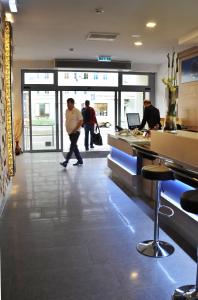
[180, 147]
[131, 139]
[180, 133]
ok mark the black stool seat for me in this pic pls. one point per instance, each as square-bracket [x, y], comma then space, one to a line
[189, 201]
[157, 172]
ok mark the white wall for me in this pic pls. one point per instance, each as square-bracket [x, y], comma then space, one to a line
[161, 72]
[144, 68]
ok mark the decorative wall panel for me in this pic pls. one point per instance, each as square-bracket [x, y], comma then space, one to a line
[4, 172]
[8, 98]
[188, 89]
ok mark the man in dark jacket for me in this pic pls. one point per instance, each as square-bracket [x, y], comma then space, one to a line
[151, 116]
[89, 120]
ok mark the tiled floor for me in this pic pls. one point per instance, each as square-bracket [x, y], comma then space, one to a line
[72, 234]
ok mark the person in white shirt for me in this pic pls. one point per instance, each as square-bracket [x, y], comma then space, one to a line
[73, 123]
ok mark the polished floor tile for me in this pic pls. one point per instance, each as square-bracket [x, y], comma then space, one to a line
[72, 234]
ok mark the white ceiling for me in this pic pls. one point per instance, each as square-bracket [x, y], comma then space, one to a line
[46, 29]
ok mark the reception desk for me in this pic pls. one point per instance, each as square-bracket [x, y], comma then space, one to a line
[181, 146]
[123, 160]
[178, 151]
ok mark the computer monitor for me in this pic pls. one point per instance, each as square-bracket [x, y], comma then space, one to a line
[133, 120]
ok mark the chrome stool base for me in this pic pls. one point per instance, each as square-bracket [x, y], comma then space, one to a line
[185, 292]
[155, 249]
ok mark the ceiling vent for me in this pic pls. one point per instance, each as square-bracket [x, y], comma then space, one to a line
[97, 36]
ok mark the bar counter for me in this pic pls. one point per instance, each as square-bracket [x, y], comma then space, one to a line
[178, 151]
[179, 147]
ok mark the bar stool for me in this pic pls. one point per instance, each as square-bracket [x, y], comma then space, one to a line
[156, 248]
[189, 202]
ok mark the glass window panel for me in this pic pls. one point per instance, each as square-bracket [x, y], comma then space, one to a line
[135, 79]
[87, 79]
[131, 102]
[43, 120]
[26, 121]
[38, 78]
[147, 95]
[59, 118]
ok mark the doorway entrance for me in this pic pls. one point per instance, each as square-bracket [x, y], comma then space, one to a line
[111, 94]
[39, 120]
[44, 118]
[104, 104]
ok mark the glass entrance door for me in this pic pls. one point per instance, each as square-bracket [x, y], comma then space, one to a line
[43, 120]
[40, 114]
[104, 105]
[26, 120]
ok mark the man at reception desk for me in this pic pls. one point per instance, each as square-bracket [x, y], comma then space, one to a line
[151, 116]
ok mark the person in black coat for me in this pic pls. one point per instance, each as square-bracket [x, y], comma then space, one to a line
[151, 116]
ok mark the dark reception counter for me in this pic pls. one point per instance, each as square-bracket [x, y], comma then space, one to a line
[178, 151]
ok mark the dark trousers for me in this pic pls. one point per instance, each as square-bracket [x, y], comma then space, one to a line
[73, 147]
[89, 129]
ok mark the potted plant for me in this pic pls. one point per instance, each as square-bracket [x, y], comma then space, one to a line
[171, 92]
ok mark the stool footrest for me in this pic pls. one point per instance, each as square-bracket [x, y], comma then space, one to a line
[168, 211]
[185, 292]
[155, 249]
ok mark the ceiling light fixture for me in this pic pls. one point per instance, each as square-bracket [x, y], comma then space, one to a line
[136, 35]
[138, 43]
[151, 24]
[13, 6]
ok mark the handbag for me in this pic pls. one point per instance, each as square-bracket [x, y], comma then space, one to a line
[97, 138]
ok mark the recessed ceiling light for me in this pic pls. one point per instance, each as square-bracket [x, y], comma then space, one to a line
[136, 35]
[138, 43]
[13, 5]
[151, 24]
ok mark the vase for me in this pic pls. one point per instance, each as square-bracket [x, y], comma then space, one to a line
[18, 150]
[170, 123]
[171, 116]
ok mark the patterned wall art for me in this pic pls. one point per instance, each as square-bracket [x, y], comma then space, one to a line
[189, 69]
[4, 154]
[8, 97]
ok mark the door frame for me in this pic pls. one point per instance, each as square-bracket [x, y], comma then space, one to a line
[54, 87]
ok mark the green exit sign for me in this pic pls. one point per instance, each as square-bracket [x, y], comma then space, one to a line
[104, 58]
